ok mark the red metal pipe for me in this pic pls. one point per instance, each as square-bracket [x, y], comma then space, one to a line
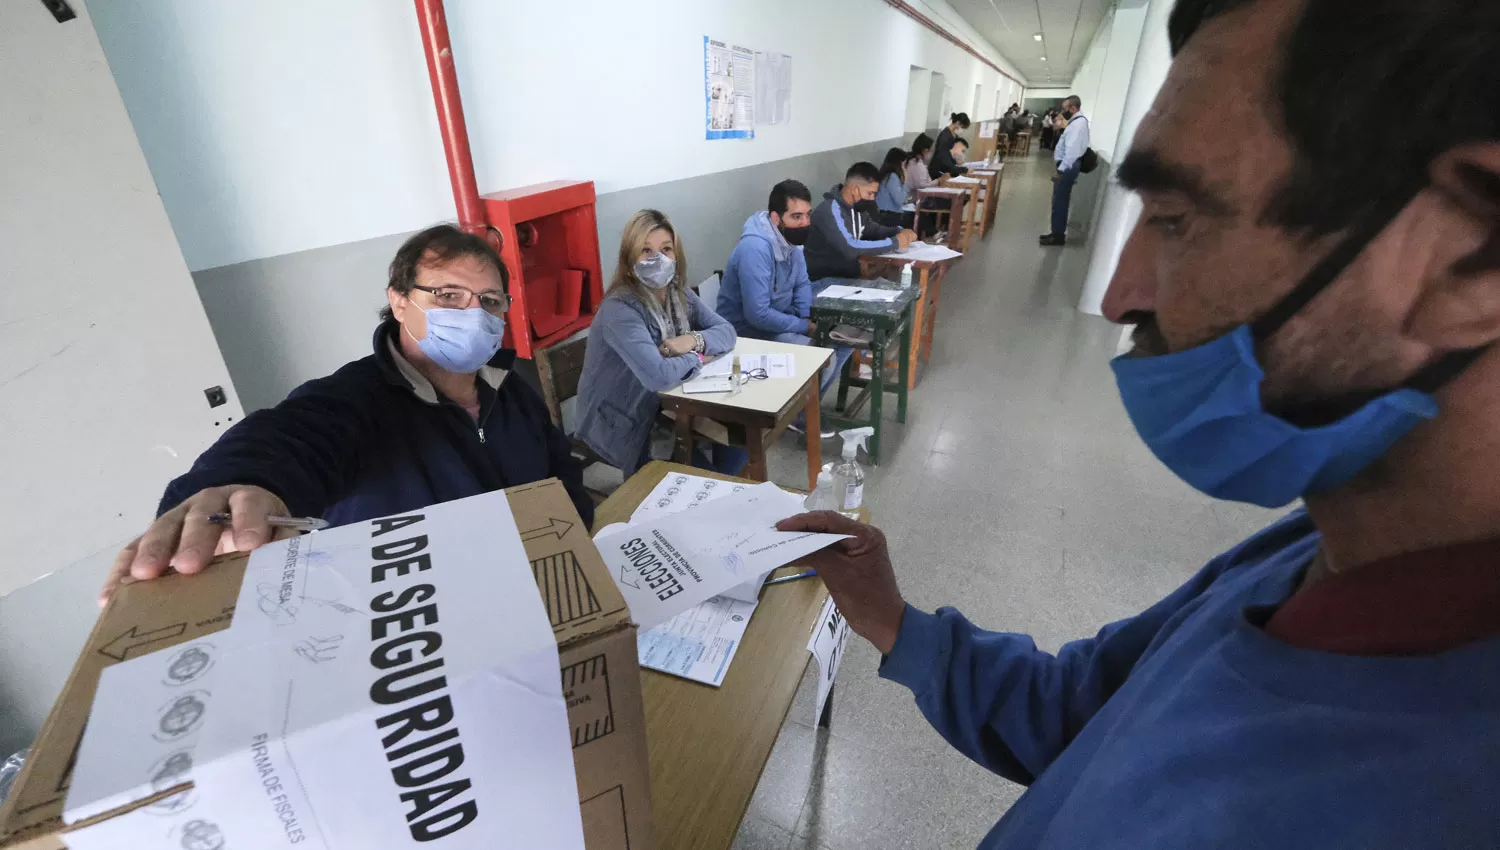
[450, 112]
[960, 43]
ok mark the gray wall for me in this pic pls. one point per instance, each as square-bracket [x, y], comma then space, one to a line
[284, 320]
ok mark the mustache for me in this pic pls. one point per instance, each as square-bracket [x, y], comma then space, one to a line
[1147, 338]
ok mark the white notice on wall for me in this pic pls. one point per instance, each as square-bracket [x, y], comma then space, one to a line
[728, 90]
[384, 684]
[666, 566]
[829, 636]
[773, 87]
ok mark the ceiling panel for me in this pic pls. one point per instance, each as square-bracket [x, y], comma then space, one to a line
[1067, 28]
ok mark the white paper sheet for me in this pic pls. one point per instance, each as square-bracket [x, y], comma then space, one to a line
[909, 208]
[923, 252]
[857, 293]
[776, 365]
[967, 181]
[680, 491]
[667, 565]
[943, 190]
[342, 641]
[708, 384]
[700, 642]
[829, 636]
[987, 131]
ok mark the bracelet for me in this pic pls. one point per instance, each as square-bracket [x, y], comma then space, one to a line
[701, 358]
[698, 344]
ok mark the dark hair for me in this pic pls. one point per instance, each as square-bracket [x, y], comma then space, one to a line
[961, 118]
[1339, 74]
[1074, 101]
[787, 190]
[920, 146]
[960, 140]
[437, 246]
[862, 171]
[895, 163]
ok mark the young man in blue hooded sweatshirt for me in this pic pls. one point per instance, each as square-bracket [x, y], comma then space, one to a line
[766, 293]
[1316, 308]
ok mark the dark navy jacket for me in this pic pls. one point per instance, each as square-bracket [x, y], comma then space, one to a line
[375, 438]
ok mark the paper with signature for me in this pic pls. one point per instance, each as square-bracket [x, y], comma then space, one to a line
[292, 749]
[667, 565]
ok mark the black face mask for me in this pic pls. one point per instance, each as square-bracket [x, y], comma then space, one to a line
[867, 207]
[795, 235]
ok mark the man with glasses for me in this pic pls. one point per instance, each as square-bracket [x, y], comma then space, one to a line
[431, 415]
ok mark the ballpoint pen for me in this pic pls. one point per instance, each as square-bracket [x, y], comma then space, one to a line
[807, 574]
[309, 523]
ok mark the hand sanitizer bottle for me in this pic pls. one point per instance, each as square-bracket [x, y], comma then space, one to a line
[848, 476]
[906, 276]
[821, 498]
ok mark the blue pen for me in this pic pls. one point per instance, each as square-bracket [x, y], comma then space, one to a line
[807, 574]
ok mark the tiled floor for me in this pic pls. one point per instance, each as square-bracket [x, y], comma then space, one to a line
[1017, 492]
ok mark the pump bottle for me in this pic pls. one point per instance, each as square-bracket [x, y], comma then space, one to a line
[848, 476]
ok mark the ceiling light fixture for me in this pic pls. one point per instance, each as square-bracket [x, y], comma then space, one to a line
[1037, 36]
[1044, 59]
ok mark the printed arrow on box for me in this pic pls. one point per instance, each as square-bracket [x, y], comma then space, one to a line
[133, 638]
[559, 527]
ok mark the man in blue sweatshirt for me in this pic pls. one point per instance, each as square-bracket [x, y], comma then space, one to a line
[1316, 308]
[765, 293]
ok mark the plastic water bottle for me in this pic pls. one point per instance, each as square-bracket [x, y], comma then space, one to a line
[906, 276]
[848, 475]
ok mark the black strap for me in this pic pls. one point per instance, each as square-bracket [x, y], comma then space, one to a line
[1330, 267]
[1432, 377]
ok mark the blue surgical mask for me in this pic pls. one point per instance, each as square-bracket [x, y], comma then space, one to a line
[461, 340]
[1200, 410]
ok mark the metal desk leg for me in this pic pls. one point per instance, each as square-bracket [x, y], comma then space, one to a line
[825, 720]
[877, 392]
[905, 361]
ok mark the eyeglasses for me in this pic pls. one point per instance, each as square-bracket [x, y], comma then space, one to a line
[458, 298]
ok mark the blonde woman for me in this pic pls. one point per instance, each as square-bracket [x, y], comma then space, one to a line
[651, 333]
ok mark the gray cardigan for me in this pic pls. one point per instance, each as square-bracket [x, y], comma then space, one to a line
[624, 369]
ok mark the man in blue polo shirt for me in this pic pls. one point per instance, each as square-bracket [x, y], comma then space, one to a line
[1316, 307]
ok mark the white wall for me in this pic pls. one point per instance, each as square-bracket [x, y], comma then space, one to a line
[1048, 94]
[281, 126]
[1087, 79]
[918, 92]
[104, 348]
[1114, 82]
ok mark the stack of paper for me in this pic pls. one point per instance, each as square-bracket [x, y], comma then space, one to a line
[863, 293]
[923, 252]
[775, 365]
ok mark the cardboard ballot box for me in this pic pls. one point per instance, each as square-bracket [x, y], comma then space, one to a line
[591, 623]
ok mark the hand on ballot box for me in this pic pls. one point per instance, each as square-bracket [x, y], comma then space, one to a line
[186, 538]
[858, 574]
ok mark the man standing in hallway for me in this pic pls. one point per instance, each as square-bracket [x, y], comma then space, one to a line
[1317, 312]
[1069, 156]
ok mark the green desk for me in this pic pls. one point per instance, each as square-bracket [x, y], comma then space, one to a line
[891, 323]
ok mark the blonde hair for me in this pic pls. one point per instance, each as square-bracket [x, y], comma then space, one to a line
[632, 242]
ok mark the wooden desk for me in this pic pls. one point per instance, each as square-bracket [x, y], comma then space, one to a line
[707, 746]
[992, 177]
[888, 322]
[928, 281]
[973, 208]
[957, 211]
[757, 414]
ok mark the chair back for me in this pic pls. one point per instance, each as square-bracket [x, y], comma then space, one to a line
[708, 290]
[559, 368]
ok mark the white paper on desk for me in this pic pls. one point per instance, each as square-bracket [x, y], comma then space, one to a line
[708, 384]
[942, 190]
[699, 643]
[923, 252]
[965, 180]
[909, 208]
[339, 638]
[858, 293]
[776, 365]
[666, 566]
[829, 636]
[680, 491]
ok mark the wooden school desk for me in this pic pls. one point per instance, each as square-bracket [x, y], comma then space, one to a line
[927, 279]
[992, 175]
[707, 746]
[756, 415]
[955, 211]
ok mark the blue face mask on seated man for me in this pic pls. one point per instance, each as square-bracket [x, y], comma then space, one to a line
[1200, 410]
[461, 340]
